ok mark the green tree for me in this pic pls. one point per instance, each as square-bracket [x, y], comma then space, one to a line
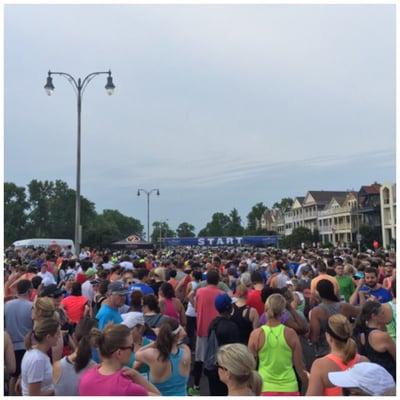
[299, 235]
[52, 210]
[101, 232]
[284, 204]
[185, 230]
[234, 227]
[217, 226]
[254, 218]
[49, 211]
[39, 199]
[126, 225]
[161, 230]
[368, 235]
[15, 216]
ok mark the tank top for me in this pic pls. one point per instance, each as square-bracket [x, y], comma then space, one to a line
[300, 307]
[176, 384]
[190, 311]
[322, 347]
[170, 310]
[383, 359]
[275, 362]
[68, 383]
[337, 391]
[241, 316]
[391, 326]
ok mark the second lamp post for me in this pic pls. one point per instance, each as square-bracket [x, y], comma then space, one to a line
[148, 193]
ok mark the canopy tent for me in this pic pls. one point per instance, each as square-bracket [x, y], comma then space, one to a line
[134, 242]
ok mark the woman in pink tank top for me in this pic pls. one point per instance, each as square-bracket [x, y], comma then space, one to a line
[109, 378]
[170, 306]
[343, 355]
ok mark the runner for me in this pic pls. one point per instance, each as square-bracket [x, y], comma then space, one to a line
[115, 344]
[168, 359]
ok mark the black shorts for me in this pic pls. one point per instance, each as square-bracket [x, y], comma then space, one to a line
[19, 354]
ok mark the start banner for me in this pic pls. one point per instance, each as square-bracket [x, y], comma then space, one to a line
[260, 241]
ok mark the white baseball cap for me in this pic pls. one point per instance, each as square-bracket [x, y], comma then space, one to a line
[132, 319]
[369, 377]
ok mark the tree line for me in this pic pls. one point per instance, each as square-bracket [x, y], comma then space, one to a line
[47, 209]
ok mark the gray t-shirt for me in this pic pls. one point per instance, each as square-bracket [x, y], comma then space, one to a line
[154, 321]
[18, 321]
[36, 367]
[281, 280]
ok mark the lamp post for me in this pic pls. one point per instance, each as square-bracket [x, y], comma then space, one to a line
[148, 193]
[79, 88]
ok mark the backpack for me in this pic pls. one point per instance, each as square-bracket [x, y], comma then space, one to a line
[210, 358]
[241, 316]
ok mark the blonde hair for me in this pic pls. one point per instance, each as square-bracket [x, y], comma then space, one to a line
[349, 269]
[241, 290]
[240, 362]
[45, 308]
[275, 305]
[341, 327]
[42, 328]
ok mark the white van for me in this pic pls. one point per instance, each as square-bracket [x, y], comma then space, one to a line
[45, 243]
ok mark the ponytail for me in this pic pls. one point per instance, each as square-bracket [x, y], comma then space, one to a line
[255, 383]
[165, 338]
[83, 354]
[340, 330]
[28, 340]
[368, 309]
[83, 337]
[350, 350]
[96, 336]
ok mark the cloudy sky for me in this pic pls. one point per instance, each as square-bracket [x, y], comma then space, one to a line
[217, 106]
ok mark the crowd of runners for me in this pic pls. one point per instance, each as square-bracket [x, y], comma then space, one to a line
[162, 322]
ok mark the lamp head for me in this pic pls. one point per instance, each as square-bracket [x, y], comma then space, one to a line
[110, 87]
[158, 192]
[49, 87]
[138, 192]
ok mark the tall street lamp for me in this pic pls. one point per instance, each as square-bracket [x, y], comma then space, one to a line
[148, 193]
[79, 87]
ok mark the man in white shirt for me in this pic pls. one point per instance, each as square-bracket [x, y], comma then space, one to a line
[126, 263]
[47, 277]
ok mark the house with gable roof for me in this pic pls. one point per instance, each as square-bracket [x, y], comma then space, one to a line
[314, 202]
[369, 202]
[294, 215]
[339, 221]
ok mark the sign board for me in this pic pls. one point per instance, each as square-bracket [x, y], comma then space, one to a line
[223, 241]
[359, 237]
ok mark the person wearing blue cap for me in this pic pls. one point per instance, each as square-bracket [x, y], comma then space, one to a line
[108, 312]
[226, 332]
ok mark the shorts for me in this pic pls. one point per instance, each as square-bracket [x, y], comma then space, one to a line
[280, 394]
[19, 354]
[201, 348]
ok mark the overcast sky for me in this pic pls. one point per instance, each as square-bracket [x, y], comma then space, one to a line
[217, 106]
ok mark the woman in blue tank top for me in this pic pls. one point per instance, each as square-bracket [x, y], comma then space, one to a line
[169, 361]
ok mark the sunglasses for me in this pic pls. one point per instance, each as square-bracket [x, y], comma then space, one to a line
[220, 367]
[132, 347]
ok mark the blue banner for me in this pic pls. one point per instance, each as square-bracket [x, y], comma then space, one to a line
[259, 241]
